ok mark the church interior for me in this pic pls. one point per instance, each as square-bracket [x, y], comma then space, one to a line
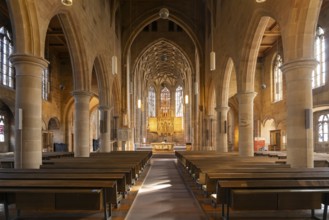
[191, 79]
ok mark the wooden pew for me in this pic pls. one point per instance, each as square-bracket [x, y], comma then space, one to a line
[116, 196]
[58, 195]
[276, 194]
[117, 175]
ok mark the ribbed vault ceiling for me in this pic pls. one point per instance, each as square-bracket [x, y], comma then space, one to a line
[163, 62]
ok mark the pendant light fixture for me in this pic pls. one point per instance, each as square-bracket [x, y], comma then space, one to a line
[114, 65]
[212, 53]
[67, 2]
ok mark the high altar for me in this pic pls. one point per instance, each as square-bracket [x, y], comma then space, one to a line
[162, 146]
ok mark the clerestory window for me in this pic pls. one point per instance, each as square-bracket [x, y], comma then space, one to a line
[6, 69]
[319, 74]
[277, 79]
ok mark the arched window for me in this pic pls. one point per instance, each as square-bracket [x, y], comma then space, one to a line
[165, 102]
[45, 84]
[151, 102]
[277, 79]
[2, 128]
[179, 101]
[6, 69]
[319, 74]
[323, 124]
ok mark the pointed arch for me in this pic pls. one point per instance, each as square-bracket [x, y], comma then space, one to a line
[102, 80]
[247, 66]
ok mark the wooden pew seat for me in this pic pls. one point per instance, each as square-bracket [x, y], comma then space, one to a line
[272, 195]
[58, 195]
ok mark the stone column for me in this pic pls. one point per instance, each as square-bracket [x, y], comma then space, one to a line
[105, 129]
[81, 123]
[221, 133]
[298, 76]
[246, 123]
[28, 135]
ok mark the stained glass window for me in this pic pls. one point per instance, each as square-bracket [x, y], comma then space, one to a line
[323, 124]
[319, 74]
[277, 79]
[165, 102]
[151, 102]
[179, 101]
[2, 128]
[6, 68]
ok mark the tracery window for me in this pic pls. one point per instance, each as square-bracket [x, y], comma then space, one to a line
[45, 84]
[277, 79]
[6, 68]
[2, 128]
[323, 126]
[165, 102]
[151, 102]
[179, 101]
[319, 74]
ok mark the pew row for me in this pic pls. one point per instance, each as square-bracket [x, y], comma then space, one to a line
[56, 194]
[274, 195]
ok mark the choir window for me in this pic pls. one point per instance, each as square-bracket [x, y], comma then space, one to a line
[277, 79]
[151, 102]
[6, 68]
[165, 102]
[319, 74]
[323, 125]
[2, 128]
[179, 101]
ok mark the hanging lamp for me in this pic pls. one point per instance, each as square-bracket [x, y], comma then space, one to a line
[212, 53]
[67, 2]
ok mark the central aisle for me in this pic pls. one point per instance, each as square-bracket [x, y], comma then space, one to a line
[164, 195]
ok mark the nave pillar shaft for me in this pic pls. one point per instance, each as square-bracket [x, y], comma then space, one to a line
[246, 123]
[105, 130]
[81, 123]
[298, 76]
[221, 134]
[28, 110]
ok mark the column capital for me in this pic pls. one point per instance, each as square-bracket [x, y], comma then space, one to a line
[301, 63]
[28, 59]
[222, 108]
[246, 95]
[82, 93]
[104, 108]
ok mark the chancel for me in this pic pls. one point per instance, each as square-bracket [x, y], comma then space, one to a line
[156, 102]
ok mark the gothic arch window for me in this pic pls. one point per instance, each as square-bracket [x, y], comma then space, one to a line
[2, 128]
[323, 126]
[53, 124]
[45, 84]
[319, 74]
[151, 102]
[179, 101]
[165, 102]
[277, 79]
[6, 68]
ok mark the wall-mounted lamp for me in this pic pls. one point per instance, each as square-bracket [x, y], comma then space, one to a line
[186, 99]
[114, 65]
[196, 88]
[139, 103]
[67, 2]
[260, 1]
[212, 61]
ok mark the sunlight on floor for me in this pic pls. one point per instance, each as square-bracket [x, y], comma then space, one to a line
[155, 186]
